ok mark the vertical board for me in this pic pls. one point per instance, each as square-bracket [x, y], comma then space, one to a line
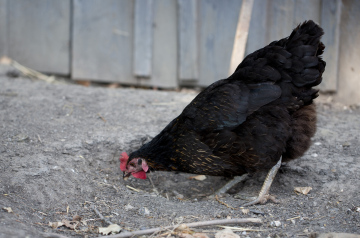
[258, 27]
[241, 35]
[39, 34]
[306, 10]
[275, 19]
[143, 37]
[280, 19]
[330, 22]
[349, 59]
[285, 15]
[218, 21]
[103, 40]
[164, 68]
[188, 41]
[3, 28]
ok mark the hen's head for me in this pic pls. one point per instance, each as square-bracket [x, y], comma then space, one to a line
[136, 167]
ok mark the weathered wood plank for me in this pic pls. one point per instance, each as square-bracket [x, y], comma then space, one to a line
[39, 34]
[103, 40]
[258, 27]
[164, 68]
[330, 22]
[349, 58]
[217, 32]
[306, 10]
[280, 19]
[241, 35]
[3, 28]
[143, 37]
[188, 40]
[275, 19]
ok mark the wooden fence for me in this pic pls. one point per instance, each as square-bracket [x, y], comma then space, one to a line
[170, 43]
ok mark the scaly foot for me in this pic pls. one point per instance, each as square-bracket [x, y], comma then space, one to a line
[231, 183]
[264, 195]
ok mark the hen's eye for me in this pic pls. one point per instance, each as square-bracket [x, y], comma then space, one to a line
[132, 164]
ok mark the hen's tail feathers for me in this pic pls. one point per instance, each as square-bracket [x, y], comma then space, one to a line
[306, 48]
[295, 59]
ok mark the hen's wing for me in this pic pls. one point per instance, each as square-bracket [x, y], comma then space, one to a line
[227, 104]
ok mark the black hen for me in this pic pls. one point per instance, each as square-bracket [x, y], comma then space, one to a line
[246, 123]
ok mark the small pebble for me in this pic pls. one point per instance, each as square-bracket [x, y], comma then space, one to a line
[275, 223]
[144, 211]
[226, 233]
[128, 207]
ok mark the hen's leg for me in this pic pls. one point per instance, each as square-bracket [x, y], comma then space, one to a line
[231, 183]
[264, 192]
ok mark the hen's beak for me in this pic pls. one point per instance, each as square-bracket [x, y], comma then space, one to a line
[126, 175]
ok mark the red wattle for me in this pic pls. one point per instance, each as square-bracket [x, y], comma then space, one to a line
[139, 175]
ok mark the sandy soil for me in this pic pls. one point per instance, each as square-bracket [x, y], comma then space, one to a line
[59, 150]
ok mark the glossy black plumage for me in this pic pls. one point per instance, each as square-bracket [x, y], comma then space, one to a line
[245, 123]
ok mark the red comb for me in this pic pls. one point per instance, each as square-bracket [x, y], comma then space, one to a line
[123, 160]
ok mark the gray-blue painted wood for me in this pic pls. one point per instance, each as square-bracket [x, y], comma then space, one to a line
[218, 21]
[330, 22]
[285, 15]
[188, 41]
[39, 34]
[274, 19]
[3, 28]
[280, 19]
[258, 27]
[103, 40]
[349, 57]
[306, 10]
[143, 37]
[164, 67]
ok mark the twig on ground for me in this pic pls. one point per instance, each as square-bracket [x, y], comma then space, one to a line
[193, 224]
[155, 189]
[100, 215]
[240, 228]
[117, 190]
[101, 117]
[223, 203]
[167, 233]
[39, 138]
[134, 189]
[32, 73]
[316, 218]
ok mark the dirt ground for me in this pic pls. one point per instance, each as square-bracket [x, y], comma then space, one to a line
[59, 150]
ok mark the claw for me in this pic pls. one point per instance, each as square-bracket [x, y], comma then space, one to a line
[261, 200]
